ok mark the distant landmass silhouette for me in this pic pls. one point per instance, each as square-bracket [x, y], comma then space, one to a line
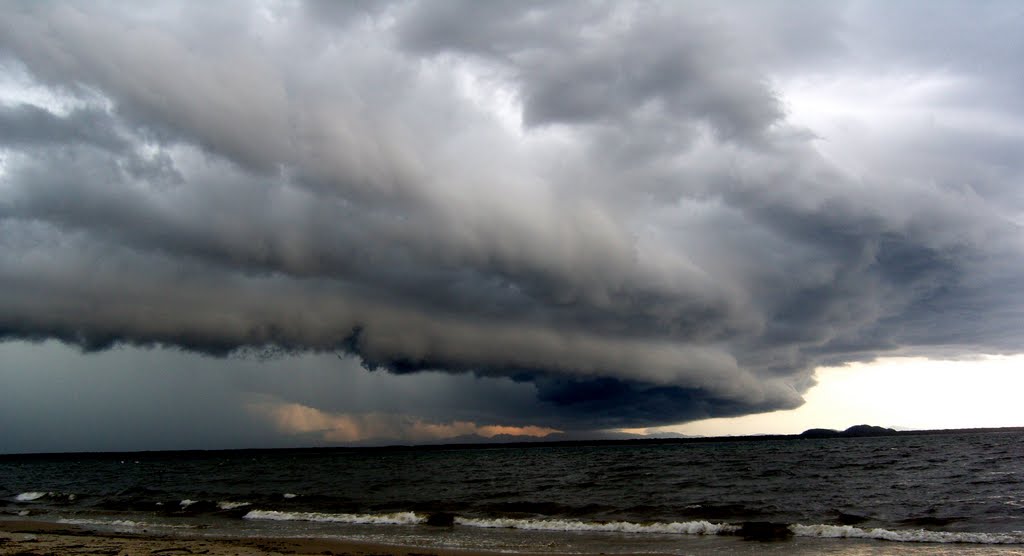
[854, 431]
[474, 442]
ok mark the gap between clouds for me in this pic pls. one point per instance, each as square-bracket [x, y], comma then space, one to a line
[297, 419]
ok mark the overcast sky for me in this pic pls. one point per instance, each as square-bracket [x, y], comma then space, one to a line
[292, 223]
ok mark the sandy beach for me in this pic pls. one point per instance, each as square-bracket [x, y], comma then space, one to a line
[34, 538]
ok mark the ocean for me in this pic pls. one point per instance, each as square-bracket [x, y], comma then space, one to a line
[907, 494]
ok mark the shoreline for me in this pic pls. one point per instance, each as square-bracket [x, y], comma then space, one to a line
[44, 538]
[27, 537]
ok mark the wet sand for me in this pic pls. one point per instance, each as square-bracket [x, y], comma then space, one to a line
[35, 538]
[32, 538]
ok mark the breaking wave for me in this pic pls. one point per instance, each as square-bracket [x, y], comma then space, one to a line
[412, 518]
[677, 528]
[34, 496]
[908, 535]
[124, 524]
[397, 518]
[228, 505]
[699, 527]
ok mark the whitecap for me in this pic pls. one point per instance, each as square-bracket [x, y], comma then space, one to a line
[411, 518]
[906, 535]
[673, 528]
[397, 518]
[228, 505]
[124, 524]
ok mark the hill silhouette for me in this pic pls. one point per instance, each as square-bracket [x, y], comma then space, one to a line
[854, 431]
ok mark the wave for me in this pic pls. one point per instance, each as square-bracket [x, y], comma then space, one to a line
[678, 528]
[397, 518]
[228, 505]
[906, 535]
[198, 507]
[412, 518]
[34, 496]
[125, 523]
[698, 527]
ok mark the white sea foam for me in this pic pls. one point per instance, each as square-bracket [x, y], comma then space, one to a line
[410, 518]
[673, 528]
[111, 522]
[228, 505]
[123, 523]
[33, 496]
[909, 535]
[676, 528]
[289, 495]
[186, 503]
[398, 518]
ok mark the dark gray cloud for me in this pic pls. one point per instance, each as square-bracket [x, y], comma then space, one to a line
[636, 69]
[26, 125]
[642, 213]
[140, 399]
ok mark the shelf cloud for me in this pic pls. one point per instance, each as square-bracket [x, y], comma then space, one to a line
[648, 212]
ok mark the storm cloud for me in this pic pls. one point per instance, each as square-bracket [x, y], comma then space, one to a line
[648, 212]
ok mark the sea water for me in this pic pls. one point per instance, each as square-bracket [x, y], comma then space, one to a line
[908, 494]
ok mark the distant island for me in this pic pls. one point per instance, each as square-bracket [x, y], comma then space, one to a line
[854, 431]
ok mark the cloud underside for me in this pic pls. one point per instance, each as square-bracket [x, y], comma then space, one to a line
[631, 207]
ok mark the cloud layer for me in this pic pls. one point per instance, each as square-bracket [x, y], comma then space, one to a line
[650, 212]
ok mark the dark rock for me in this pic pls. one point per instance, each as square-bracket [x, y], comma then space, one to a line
[764, 531]
[441, 519]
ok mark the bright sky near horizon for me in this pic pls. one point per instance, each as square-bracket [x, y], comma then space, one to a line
[900, 393]
[316, 222]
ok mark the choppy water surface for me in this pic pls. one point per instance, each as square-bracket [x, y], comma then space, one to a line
[905, 490]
